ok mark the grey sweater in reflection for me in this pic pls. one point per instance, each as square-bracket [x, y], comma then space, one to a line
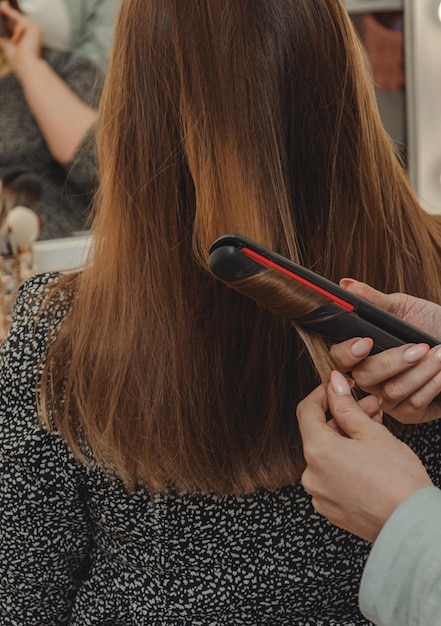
[67, 190]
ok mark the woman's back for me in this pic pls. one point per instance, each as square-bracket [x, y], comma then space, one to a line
[96, 554]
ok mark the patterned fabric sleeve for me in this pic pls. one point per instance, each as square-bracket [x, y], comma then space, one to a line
[44, 530]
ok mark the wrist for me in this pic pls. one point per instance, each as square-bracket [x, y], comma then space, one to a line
[27, 67]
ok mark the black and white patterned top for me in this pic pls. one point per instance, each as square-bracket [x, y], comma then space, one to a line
[76, 549]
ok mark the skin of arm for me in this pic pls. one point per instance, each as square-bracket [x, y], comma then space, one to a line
[349, 457]
[62, 116]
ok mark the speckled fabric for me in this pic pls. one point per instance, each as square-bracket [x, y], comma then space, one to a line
[76, 549]
[67, 190]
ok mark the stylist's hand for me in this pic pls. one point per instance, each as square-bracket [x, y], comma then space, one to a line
[357, 471]
[25, 42]
[406, 379]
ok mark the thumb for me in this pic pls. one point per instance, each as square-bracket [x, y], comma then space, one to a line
[383, 300]
[311, 413]
[417, 311]
[346, 411]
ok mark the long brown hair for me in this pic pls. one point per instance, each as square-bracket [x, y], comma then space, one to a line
[256, 117]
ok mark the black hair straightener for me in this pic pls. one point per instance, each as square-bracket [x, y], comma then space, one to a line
[339, 314]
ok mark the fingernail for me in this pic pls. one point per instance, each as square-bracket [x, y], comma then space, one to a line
[345, 282]
[362, 347]
[378, 417]
[416, 353]
[340, 384]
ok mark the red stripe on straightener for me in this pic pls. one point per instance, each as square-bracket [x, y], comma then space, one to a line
[268, 263]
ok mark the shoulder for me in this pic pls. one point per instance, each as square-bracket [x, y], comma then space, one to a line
[35, 317]
[31, 297]
[23, 440]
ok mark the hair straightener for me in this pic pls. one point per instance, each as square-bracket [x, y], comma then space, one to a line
[338, 314]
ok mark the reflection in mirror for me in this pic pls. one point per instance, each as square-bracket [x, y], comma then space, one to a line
[382, 34]
[50, 85]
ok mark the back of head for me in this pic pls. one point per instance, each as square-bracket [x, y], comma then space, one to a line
[266, 111]
[255, 117]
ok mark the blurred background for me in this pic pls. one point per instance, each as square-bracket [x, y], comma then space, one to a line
[403, 40]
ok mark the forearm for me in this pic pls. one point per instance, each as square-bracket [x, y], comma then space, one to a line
[62, 116]
[401, 581]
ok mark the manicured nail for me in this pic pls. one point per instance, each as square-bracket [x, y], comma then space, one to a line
[362, 347]
[345, 282]
[340, 384]
[416, 353]
[378, 417]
